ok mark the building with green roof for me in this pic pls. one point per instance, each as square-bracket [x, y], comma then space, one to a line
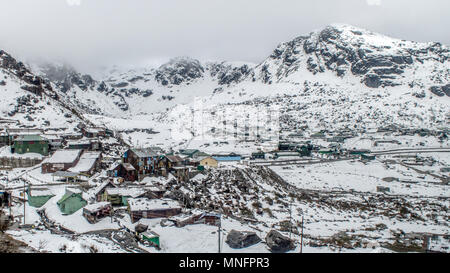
[30, 144]
[38, 197]
[71, 202]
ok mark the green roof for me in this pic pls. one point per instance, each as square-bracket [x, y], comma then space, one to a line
[30, 138]
[64, 198]
[67, 196]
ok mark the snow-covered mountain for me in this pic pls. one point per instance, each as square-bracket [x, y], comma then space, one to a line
[31, 100]
[376, 60]
[339, 75]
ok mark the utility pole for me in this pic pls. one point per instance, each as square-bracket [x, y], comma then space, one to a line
[24, 202]
[290, 220]
[220, 225]
[301, 240]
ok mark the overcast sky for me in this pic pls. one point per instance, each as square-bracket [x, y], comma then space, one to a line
[105, 32]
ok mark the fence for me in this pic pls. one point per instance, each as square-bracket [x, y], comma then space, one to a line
[18, 162]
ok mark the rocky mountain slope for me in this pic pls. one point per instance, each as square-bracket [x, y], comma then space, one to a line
[338, 73]
[31, 100]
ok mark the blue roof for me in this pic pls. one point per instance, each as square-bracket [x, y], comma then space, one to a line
[227, 158]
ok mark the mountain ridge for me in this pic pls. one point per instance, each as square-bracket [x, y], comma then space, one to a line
[338, 60]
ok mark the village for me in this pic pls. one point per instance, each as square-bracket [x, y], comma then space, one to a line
[92, 184]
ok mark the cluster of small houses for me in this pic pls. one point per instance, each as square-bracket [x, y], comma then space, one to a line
[140, 202]
[74, 156]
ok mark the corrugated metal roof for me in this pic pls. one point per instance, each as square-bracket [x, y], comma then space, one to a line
[146, 152]
[30, 138]
[227, 158]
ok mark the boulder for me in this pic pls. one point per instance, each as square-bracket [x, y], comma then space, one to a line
[139, 228]
[241, 239]
[372, 81]
[279, 243]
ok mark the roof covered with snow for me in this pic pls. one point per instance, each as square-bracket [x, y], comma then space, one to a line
[133, 192]
[97, 206]
[64, 156]
[86, 163]
[139, 204]
[40, 192]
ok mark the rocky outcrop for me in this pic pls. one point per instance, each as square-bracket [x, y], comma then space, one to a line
[241, 239]
[34, 84]
[380, 61]
[178, 71]
[441, 90]
[66, 77]
[227, 74]
[139, 228]
[279, 243]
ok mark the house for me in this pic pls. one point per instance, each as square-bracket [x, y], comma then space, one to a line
[227, 157]
[72, 201]
[55, 142]
[72, 136]
[84, 144]
[152, 208]
[383, 189]
[338, 139]
[209, 162]
[326, 151]
[93, 132]
[258, 155]
[305, 150]
[157, 150]
[206, 218]
[30, 144]
[4, 137]
[436, 243]
[100, 191]
[181, 173]
[124, 170]
[61, 160]
[367, 157]
[154, 191]
[81, 144]
[95, 212]
[16, 132]
[38, 197]
[173, 161]
[145, 161]
[358, 152]
[88, 164]
[151, 238]
[5, 198]
[66, 175]
[285, 146]
[120, 196]
[199, 155]
[189, 152]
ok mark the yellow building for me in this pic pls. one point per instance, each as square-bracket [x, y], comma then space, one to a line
[209, 162]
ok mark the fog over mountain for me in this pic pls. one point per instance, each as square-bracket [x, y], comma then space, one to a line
[89, 34]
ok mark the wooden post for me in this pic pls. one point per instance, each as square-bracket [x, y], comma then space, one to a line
[301, 240]
[220, 225]
[24, 202]
[290, 220]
